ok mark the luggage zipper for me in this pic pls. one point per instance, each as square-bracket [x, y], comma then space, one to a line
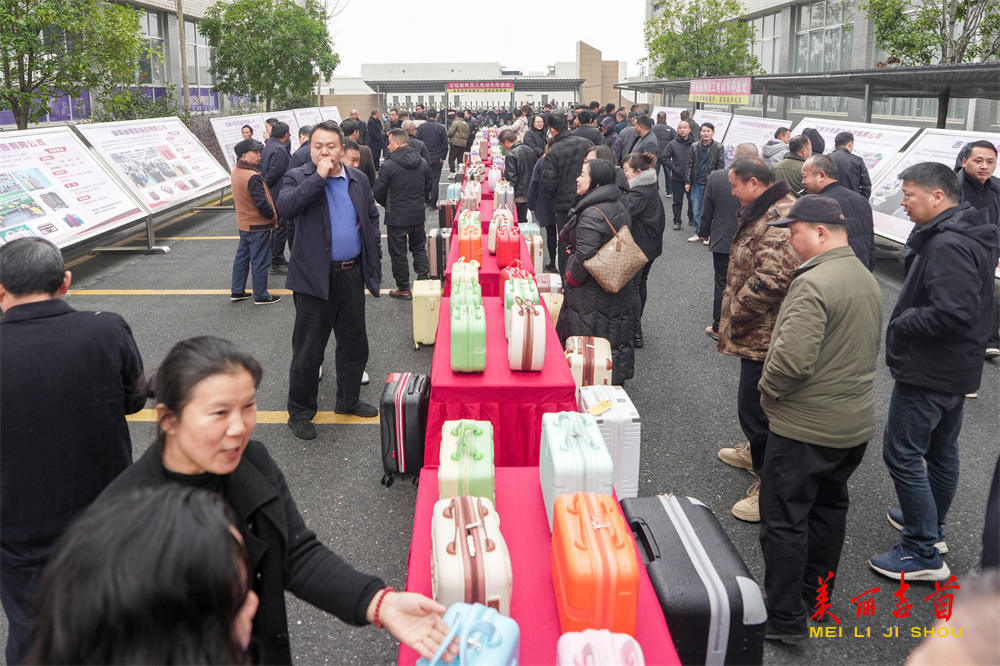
[462, 547]
[475, 547]
[589, 362]
[400, 445]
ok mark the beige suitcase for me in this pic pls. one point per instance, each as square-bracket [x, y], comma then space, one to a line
[536, 250]
[553, 303]
[426, 308]
[589, 360]
[526, 344]
[501, 216]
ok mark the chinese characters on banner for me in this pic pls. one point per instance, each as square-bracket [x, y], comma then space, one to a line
[730, 90]
[479, 86]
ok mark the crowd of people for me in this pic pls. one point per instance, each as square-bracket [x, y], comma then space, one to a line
[790, 232]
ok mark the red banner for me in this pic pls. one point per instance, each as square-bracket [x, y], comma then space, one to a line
[732, 90]
[479, 86]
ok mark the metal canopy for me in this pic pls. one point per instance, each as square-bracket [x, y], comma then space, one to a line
[521, 84]
[968, 80]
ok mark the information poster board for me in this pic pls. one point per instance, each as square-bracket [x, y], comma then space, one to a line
[330, 113]
[229, 131]
[873, 143]
[749, 129]
[719, 119]
[304, 117]
[673, 114]
[162, 162]
[53, 187]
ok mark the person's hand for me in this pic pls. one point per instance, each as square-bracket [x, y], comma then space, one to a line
[687, 188]
[324, 167]
[415, 621]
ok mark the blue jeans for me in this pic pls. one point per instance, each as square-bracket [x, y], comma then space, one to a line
[923, 425]
[253, 256]
[697, 201]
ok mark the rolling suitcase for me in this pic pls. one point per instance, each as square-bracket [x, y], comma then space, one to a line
[403, 424]
[537, 252]
[549, 283]
[469, 558]
[508, 245]
[553, 303]
[589, 360]
[501, 218]
[468, 339]
[573, 458]
[446, 212]
[598, 647]
[595, 573]
[484, 637]
[713, 606]
[470, 243]
[526, 345]
[465, 463]
[503, 196]
[529, 229]
[469, 218]
[454, 191]
[438, 244]
[620, 426]
[426, 307]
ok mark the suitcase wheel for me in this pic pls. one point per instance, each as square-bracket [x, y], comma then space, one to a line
[387, 480]
[416, 346]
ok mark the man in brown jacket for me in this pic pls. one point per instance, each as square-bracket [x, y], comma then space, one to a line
[761, 263]
[256, 219]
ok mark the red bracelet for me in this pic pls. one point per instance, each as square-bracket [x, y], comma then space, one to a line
[378, 605]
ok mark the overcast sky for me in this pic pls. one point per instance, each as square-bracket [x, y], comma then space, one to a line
[540, 32]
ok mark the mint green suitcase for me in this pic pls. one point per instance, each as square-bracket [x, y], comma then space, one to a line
[468, 338]
[530, 229]
[465, 466]
[465, 293]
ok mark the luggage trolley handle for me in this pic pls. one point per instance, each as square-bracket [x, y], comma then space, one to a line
[646, 539]
[463, 430]
[591, 523]
[566, 423]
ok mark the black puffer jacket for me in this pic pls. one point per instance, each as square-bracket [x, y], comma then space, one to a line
[518, 166]
[535, 139]
[853, 174]
[675, 156]
[563, 164]
[645, 208]
[860, 226]
[587, 308]
[402, 186]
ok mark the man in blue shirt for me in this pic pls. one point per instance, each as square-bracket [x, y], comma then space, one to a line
[336, 254]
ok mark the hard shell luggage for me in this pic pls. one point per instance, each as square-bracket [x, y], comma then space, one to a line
[589, 360]
[536, 248]
[621, 427]
[438, 244]
[465, 293]
[553, 303]
[517, 288]
[549, 283]
[530, 229]
[713, 606]
[469, 558]
[514, 270]
[446, 211]
[508, 245]
[469, 218]
[595, 572]
[598, 647]
[403, 424]
[503, 195]
[470, 243]
[484, 150]
[526, 345]
[465, 463]
[501, 218]
[464, 271]
[454, 191]
[573, 458]
[485, 638]
[426, 307]
[468, 339]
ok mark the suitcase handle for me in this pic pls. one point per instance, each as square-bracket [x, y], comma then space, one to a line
[646, 540]
[462, 431]
[445, 644]
[466, 641]
[566, 422]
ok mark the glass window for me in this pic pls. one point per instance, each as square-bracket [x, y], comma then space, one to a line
[803, 17]
[817, 15]
[769, 22]
[767, 59]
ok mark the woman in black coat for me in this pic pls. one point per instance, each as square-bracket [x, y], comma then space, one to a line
[536, 134]
[587, 308]
[206, 407]
[648, 221]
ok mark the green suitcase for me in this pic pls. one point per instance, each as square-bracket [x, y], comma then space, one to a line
[465, 466]
[468, 338]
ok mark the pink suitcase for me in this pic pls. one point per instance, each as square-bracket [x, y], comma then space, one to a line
[596, 647]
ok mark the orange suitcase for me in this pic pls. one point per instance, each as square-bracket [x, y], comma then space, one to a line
[470, 243]
[594, 568]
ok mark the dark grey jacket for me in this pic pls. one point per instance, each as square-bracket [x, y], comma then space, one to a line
[435, 136]
[860, 228]
[718, 215]
[853, 174]
[590, 133]
[274, 161]
[675, 156]
[402, 186]
[563, 164]
[518, 165]
[716, 159]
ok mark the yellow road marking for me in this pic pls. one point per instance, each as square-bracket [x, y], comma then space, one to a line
[321, 418]
[182, 238]
[175, 292]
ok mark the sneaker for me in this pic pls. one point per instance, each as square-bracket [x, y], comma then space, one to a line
[362, 409]
[279, 269]
[738, 456]
[711, 332]
[694, 239]
[748, 508]
[903, 560]
[239, 297]
[677, 226]
[550, 268]
[786, 636]
[895, 518]
[321, 373]
[705, 242]
[992, 352]
[267, 300]
[404, 294]
[302, 429]
[365, 379]
[974, 394]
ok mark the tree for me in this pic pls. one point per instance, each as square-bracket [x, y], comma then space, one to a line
[272, 49]
[51, 48]
[696, 38]
[946, 32]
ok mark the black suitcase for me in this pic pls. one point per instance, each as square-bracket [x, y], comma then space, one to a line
[403, 423]
[713, 606]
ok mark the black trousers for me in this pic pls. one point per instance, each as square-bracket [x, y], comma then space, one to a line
[639, 295]
[994, 338]
[720, 266]
[550, 243]
[665, 170]
[281, 235]
[562, 216]
[803, 513]
[414, 238]
[454, 156]
[990, 557]
[753, 420]
[21, 565]
[376, 155]
[679, 197]
[432, 196]
[522, 211]
[342, 313]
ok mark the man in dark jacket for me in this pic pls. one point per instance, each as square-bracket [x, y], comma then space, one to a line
[563, 164]
[790, 168]
[366, 162]
[664, 135]
[337, 253]
[435, 137]
[647, 139]
[301, 154]
[518, 165]
[375, 137]
[934, 350]
[84, 365]
[695, 127]
[402, 189]
[852, 169]
[273, 165]
[255, 221]
[704, 157]
[674, 157]
[410, 127]
[473, 128]
[629, 136]
[820, 176]
[587, 129]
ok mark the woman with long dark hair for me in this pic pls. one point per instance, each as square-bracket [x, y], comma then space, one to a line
[648, 221]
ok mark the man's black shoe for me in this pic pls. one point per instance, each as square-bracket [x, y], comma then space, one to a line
[786, 636]
[239, 297]
[362, 409]
[303, 429]
[677, 226]
[267, 300]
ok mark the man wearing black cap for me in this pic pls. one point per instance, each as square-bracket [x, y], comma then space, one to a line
[816, 389]
[256, 219]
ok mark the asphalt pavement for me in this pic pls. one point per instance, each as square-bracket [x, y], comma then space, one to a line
[684, 389]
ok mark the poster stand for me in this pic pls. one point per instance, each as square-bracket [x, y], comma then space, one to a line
[150, 248]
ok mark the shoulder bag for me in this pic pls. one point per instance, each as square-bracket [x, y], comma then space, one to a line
[617, 262]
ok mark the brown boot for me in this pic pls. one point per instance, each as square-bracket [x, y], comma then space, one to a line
[404, 294]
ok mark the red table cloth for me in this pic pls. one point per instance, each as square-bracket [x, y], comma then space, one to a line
[512, 401]
[533, 605]
[489, 270]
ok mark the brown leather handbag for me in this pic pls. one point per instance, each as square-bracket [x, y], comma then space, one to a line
[617, 262]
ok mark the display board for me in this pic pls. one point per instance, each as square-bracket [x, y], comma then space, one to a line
[229, 131]
[303, 117]
[330, 113]
[720, 119]
[749, 129]
[160, 160]
[673, 114]
[53, 187]
[873, 143]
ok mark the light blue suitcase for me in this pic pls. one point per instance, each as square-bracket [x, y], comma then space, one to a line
[573, 458]
[485, 637]
[454, 191]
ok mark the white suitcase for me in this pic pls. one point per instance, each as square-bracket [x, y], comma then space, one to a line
[573, 458]
[549, 283]
[501, 216]
[589, 360]
[621, 428]
[469, 558]
[526, 345]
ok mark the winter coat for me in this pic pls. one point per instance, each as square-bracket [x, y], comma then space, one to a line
[985, 197]
[375, 134]
[675, 156]
[301, 155]
[939, 326]
[852, 172]
[518, 166]
[273, 165]
[588, 309]
[563, 165]
[435, 137]
[614, 142]
[646, 144]
[790, 171]
[645, 209]
[590, 133]
[458, 133]
[718, 214]
[539, 202]
[536, 140]
[664, 134]
[816, 139]
[421, 149]
[473, 131]
[860, 226]
[362, 133]
[817, 382]
[761, 263]
[628, 136]
[774, 151]
[402, 186]
[366, 163]
[715, 158]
